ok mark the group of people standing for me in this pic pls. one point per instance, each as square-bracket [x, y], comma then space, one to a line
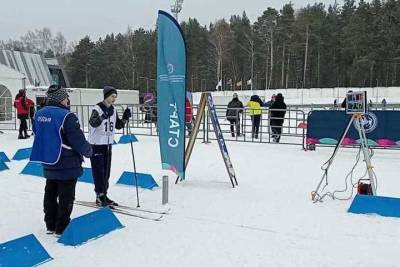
[60, 146]
[277, 111]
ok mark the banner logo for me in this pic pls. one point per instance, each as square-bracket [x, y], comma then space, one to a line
[369, 122]
[170, 68]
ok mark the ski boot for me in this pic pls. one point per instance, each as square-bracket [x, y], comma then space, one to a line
[110, 202]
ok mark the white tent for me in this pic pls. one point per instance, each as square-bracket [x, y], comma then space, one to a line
[11, 79]
[10, 82]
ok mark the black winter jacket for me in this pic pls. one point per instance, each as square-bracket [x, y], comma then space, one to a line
[277, 116]
[234, 108]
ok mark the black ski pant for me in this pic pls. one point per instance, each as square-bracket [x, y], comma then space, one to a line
[235, 125]
[59, 196]
[255, 119]
[101, 166]
[23, 126]
[276, 128]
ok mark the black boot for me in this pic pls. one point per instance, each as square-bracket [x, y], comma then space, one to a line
[110, 202]
[101, 200]
[20, 136]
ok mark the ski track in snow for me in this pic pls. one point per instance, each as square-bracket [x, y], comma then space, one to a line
[268, 220]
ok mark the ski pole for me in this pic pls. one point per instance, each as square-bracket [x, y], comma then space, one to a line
[134, 163]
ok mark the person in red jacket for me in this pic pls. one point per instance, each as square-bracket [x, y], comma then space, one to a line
[23, 104]
[188, 115]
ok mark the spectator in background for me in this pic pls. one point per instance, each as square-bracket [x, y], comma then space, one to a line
[235, 107]
[370, 105]
[269, 103]
[345, 101]
[146, 108]
[153, 113]
[254, 106]
[384, 104]
[20, 93]
[335, 105]
[42, 103]
[188, 115]
[32, 115]
[23, 104]
[277, 115]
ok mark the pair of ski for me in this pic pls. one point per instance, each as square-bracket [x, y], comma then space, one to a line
[146, 214]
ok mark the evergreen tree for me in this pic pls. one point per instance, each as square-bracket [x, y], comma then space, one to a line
[78, 65]
[352, 45]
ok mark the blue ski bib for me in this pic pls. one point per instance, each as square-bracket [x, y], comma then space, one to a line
[48, 144]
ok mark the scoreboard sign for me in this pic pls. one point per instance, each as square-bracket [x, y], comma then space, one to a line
[356, 102]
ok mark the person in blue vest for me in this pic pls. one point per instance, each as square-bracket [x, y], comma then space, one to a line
[59, 145]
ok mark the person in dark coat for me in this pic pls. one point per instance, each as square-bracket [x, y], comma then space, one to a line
[188, 115]
[335, 104]
[343, 105]
[32, 115]
[370, 104]
[235, 107]
[384, 104]
[59, 145]
[277, 115]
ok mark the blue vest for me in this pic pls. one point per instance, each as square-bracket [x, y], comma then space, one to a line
[48, 143]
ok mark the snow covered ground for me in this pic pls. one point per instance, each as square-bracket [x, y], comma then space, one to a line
[269, 220]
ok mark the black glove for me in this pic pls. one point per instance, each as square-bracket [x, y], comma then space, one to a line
[127, 114]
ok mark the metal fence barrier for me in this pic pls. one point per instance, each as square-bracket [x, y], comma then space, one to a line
[6, 111]
[293, 131]
[144, 122]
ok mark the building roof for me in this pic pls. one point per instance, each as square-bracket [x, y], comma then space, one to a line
[57, 70]
[33, 66]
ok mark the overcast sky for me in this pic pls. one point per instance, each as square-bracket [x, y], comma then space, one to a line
[96, 18]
